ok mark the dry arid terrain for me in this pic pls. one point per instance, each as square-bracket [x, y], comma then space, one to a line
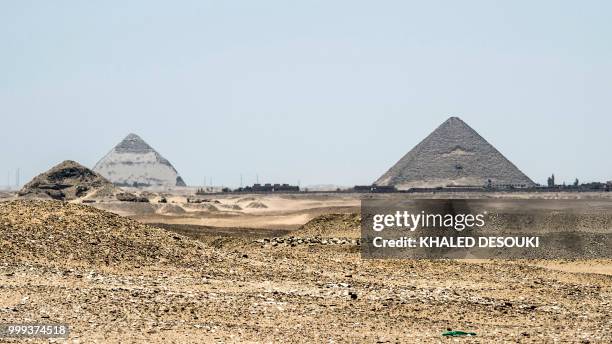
[276, 269]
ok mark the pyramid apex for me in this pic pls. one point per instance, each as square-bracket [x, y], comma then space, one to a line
[133, 143]
[132, 136]
[456, 123]
[454, 118]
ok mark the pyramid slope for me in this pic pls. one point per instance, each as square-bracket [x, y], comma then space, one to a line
[134, 162]
[453, 155]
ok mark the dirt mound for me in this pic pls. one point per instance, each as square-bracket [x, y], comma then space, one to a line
[256, 205]
[6, 194]
[230, 206]
[246, 199]
[128, 208]
[59, 232]
[107, 192]
[67, 181]
[200, 206]
[171, 209]
[332, 225]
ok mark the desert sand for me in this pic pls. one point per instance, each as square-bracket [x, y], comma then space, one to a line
[287, 273]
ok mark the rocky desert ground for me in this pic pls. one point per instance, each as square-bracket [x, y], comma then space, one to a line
[278, 269]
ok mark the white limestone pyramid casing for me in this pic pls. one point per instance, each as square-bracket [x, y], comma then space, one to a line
[134, 163]
[453, 155]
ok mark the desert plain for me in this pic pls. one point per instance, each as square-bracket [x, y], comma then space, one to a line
[274, 269]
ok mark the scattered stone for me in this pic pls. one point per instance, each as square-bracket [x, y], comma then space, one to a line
[62, 232]
[295, 241]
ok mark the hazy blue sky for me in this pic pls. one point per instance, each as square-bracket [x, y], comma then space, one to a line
[317, 91]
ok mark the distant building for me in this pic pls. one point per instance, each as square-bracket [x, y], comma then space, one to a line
[269, 188]
[363, 188]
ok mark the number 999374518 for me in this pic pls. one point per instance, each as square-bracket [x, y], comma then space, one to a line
[31, 330]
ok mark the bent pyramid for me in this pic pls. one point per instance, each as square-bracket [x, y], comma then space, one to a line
[134, 163]
[453, 155]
